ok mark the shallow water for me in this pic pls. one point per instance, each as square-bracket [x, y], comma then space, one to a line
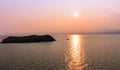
[69, 52]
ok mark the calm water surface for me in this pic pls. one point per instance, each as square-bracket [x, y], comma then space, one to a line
[69, 52]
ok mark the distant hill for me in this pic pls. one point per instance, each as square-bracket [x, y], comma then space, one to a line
[109, 32]
[112, 32]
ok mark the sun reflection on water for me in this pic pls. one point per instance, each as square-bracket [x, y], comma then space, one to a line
[76, 53]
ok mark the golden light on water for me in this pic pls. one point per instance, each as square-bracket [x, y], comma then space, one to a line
[75, 41]
[76, 53]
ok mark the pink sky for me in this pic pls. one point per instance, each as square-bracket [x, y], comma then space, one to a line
[56, 16]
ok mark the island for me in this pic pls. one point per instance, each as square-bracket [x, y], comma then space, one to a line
[28, 39]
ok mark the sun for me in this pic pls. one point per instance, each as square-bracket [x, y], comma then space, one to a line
[76, 14]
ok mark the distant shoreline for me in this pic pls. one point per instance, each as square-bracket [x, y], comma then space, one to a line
[61, 33]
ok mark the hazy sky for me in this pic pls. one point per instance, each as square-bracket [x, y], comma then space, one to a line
[51, 16]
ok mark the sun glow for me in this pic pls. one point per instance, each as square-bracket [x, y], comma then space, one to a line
[76, 14]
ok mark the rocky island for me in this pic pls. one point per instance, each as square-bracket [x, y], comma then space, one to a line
[28, 39]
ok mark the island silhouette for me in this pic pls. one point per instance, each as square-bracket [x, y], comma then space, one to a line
[28, 39]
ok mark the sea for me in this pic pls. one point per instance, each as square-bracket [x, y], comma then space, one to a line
[68, 52]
